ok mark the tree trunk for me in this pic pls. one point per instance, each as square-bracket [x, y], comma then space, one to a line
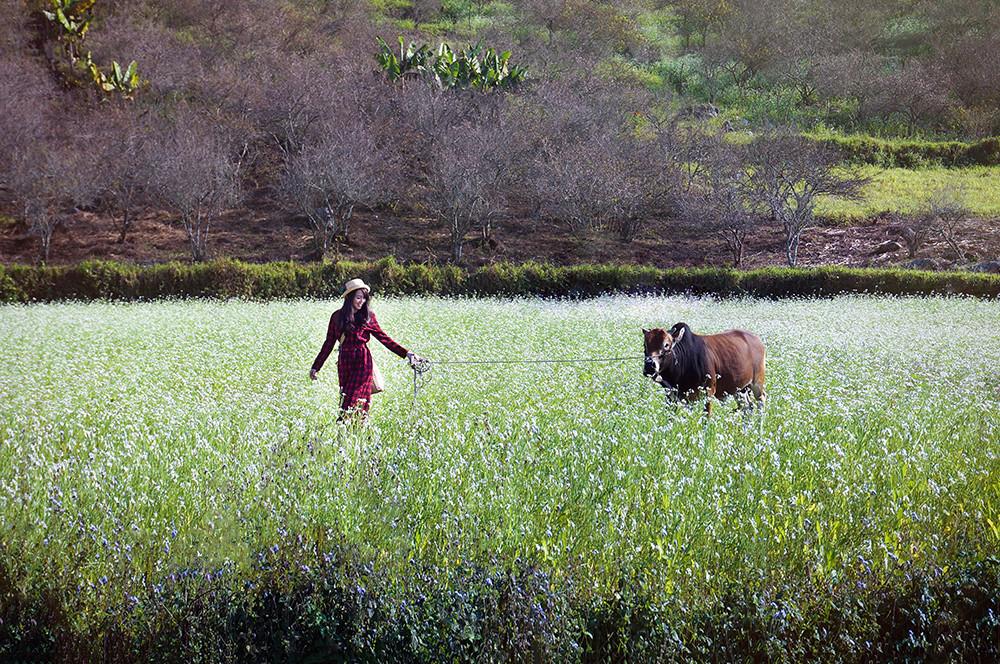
[197, 239]
[457, 240]
[953, 243]
[792, 248]
[736, 245]
[345, 220]
[624, 231]
[322, 244]
[126, 222]
[45, 226]
[197, 250]
[46, 238]
[321, 233]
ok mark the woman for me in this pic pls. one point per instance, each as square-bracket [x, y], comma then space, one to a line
[353, 324]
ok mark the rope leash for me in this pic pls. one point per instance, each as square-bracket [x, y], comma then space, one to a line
[422, 368]
[585, 359]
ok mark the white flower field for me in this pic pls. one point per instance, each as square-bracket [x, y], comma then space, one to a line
[138, 441]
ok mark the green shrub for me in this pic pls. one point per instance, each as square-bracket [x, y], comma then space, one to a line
[861, 149]
[985, 152]
[9, 291]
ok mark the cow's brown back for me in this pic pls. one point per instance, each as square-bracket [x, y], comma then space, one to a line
[736, 360]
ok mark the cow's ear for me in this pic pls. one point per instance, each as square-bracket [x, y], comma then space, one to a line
[645, 331]
[680, 333]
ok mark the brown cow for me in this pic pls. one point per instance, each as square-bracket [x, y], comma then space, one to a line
[719, 365]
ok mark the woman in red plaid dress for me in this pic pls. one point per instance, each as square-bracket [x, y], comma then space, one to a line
[353, 325]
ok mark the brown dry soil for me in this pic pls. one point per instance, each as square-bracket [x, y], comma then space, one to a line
[262, 234]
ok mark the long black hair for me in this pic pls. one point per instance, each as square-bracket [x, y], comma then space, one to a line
[359, 319]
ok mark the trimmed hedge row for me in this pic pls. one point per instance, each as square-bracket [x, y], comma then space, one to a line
[102, 280]
[225, 278]
[914, 154]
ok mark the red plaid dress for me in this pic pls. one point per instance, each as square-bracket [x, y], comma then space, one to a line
[354, 364]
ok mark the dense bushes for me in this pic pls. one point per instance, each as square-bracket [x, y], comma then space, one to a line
[341, 609]
[92, 280]
[913, 153]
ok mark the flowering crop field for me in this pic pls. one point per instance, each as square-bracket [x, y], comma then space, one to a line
[145, 443]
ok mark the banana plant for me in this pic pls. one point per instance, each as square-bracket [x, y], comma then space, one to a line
[499, 72]
[72, 16]
[71, 20]
[411, 59]
[125, 82]
[472, 67]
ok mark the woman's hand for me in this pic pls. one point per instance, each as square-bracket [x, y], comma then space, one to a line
[312, 374]
[413, 358]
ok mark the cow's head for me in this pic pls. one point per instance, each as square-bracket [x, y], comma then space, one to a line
[659, 346]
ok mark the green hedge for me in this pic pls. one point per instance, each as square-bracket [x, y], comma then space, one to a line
[913, 153]
[101, 280]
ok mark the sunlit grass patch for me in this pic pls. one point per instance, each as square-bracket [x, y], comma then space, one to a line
[907, 190]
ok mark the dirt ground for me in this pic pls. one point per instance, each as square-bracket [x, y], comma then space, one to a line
[267, 234]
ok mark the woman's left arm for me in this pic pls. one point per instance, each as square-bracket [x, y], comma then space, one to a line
[386, 339]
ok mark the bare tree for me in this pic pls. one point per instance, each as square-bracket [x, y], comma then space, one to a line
[751, 38]
[852, 75]
[914, 231]
[50, 180]
[947, 209]
[607, 183]
[195, 175]
[47, 162]
[788, 173]
[588, 170]
[915, 91]
[587, 27]
[571, 182]
[418, 116]
[465, 181]
[640, 186]
[348, 165]
[684, 149]
[290, 108]
[965, 41]
[697, 17]
[722, 197]
[126, 169]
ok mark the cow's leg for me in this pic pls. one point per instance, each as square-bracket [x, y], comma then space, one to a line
[709, 397]
[757, 389]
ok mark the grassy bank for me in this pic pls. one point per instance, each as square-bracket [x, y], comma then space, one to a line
[907, 191]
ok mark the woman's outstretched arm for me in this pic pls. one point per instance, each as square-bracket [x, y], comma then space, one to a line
[386, 339]
[332, 334]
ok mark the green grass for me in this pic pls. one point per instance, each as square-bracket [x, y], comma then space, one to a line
[907, 190]
[140, 440]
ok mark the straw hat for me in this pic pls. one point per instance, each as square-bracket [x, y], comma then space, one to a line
[355, 284]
